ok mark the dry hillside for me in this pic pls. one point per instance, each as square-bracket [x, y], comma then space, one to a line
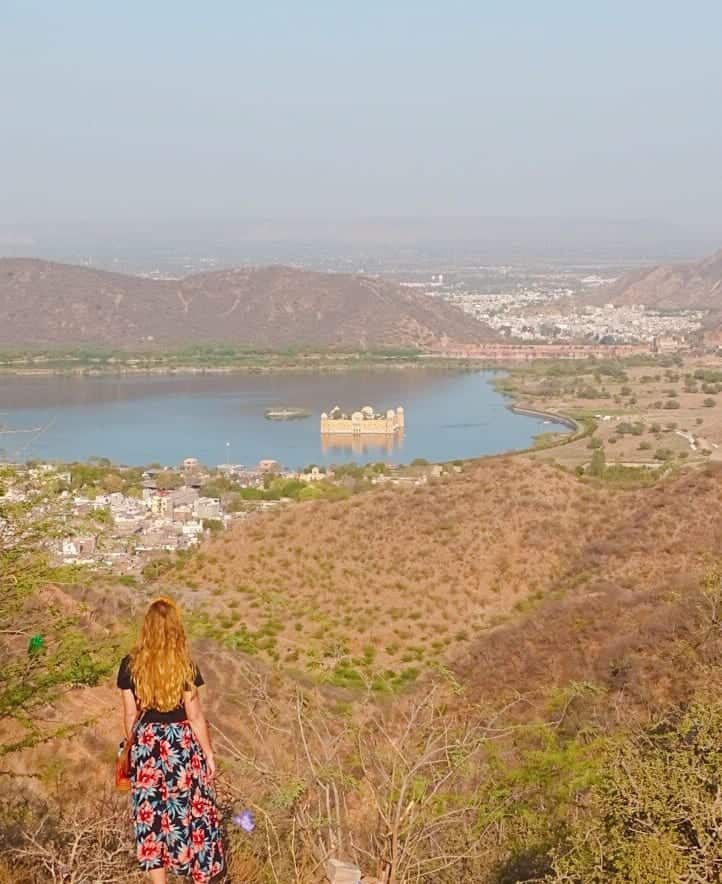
[391, 582]
[693, 285]
[385, 585]
[547, 610]
[630, 617]
[44, 304]
[518, 575]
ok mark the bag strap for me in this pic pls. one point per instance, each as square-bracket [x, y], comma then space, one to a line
[129, 740]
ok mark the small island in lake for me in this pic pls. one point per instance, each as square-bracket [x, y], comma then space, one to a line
[286, 414]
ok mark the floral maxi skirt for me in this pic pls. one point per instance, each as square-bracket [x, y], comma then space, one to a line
[174, 807]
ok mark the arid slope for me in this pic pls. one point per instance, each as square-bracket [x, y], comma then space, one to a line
[44, 304]
[692, 285]
[518, 576]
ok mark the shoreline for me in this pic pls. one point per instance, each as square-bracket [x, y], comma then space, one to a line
[561, 419]
[190, 370]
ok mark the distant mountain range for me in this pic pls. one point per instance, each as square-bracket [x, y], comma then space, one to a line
[693, 285]
[47, 304]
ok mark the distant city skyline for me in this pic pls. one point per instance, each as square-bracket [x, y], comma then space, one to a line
[182, 117]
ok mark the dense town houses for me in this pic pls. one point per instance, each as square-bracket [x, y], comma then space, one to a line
[545, 309]
[123, 531]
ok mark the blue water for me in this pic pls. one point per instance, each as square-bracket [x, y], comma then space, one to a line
[220, 418]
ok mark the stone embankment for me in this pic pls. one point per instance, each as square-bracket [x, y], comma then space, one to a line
[546, 415]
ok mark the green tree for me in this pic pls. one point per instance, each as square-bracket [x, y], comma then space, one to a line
[597, 463]
[112, 483]
[167, 480]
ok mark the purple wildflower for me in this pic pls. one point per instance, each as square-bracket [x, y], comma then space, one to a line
[244, 820]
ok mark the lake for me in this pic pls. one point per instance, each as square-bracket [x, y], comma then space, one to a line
[141, 419]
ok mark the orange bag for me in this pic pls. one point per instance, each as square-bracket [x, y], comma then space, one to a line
[122, 767]
[122, 760]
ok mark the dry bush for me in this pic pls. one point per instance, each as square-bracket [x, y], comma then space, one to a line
[393, 790]
[70, 843]
[654, 815]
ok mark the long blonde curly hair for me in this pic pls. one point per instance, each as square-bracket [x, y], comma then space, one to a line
[160, 663]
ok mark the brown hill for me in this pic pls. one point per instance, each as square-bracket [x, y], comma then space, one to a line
[424, 575]
[695, 285]
[518, 576]
[549, 610]
[636, 617]
[44, 304]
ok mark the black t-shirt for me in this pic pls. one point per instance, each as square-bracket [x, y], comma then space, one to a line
[125, 682]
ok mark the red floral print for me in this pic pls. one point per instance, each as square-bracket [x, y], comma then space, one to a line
[145, 814]
[199, 840]
[149, 849]
[176, 819]
[198, 805]
[147, 737]
[184, 781]
[185, 855]
[147, 776]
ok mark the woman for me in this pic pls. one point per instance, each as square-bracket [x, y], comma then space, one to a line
[171, 760]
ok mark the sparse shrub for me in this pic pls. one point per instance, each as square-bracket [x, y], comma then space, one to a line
[156, 568]
[653, 814]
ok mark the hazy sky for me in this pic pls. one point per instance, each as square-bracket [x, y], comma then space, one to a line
[164, 109]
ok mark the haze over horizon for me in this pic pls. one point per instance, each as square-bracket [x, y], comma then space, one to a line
[127, 120]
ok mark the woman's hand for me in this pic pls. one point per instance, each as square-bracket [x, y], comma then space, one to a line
[211, 766]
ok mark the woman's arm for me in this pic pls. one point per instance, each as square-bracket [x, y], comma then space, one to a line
[194, 714]
[129, 712]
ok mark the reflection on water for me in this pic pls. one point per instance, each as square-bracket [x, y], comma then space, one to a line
[355, 444]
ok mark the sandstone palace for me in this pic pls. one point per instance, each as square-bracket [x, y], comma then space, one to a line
[366, 421]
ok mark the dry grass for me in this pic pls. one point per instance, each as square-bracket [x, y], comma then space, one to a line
[390, 583]
[645, 395]
[631, 617]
